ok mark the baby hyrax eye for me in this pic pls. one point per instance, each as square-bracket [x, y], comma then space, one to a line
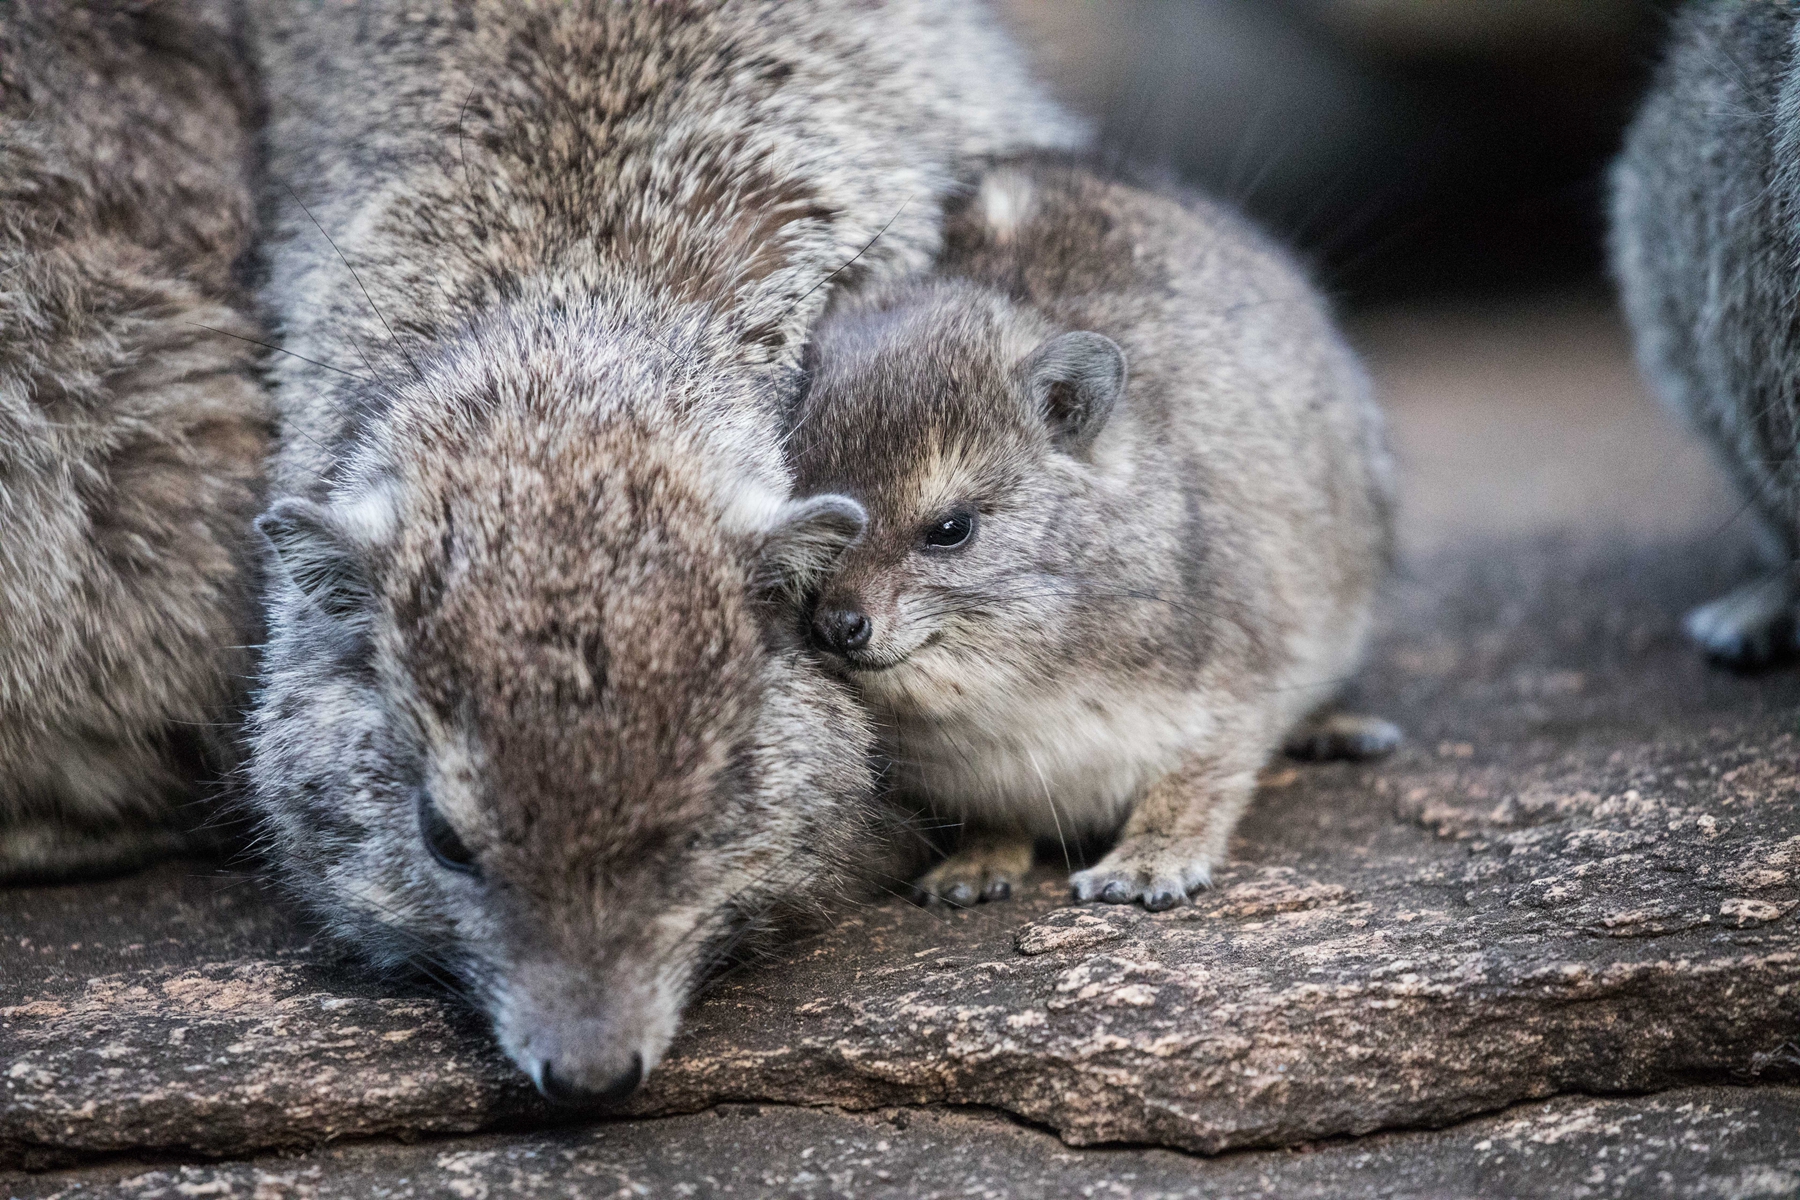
[441, 838]
[953, 529]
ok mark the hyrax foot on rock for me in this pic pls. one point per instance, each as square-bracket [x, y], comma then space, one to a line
[43, 851]
[985, 867]
[1159, 871]
[1341, 735]
[1753, 626]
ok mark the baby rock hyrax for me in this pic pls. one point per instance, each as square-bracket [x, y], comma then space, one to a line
[1128, 503]
[536, 708]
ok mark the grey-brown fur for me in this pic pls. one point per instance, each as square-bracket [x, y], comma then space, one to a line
[537, 546]
[1705, 241]
[132, 425]
[1181, 499]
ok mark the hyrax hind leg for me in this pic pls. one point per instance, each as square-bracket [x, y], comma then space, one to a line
[1173, 838]
[987, 865]
[1752, 626]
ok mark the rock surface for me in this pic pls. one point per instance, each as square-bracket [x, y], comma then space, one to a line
[1580, 875]
[1705, 1142]
[1578, 879]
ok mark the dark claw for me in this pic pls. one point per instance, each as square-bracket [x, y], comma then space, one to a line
[1116, 892]
[1163, 900]
[997, 889]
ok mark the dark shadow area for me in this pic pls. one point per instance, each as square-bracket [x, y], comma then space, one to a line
[1454, 147]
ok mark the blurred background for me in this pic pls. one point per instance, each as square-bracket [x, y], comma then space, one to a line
[1410, 146]
[1442, 164]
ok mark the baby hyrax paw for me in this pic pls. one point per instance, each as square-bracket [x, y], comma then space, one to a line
[1341, 735]
[1160, 872]
[984, 867]
[1750, 627]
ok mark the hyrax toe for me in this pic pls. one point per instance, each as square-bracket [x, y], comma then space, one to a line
[1158, 874]
[952, 882]
[1164, 895]
[986, 867]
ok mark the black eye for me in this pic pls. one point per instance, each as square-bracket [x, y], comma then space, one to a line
[440, 838]
[951, 531]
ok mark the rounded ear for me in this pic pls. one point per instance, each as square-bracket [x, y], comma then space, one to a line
[1075, 379]
[318, 555]
[808, 538]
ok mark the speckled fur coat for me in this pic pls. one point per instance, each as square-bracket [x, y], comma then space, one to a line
[535, 707]
[1706, 234]
[132, 425]
[1173, 502]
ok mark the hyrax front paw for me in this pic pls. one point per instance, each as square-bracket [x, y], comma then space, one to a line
[1345, 736]
[984, 867]
[1751, 627]
[1160, 872]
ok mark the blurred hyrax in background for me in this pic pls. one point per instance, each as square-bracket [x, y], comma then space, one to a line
[1705, 244]
[1407, 145]
[132, 426]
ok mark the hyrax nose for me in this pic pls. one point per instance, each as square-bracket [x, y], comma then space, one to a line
[567, 1089]
[842, 629]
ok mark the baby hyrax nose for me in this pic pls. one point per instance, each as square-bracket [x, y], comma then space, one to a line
[841, 629]
[571, 1092]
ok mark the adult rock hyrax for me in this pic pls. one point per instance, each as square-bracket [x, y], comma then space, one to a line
[1704, 245]
[1128, 504]
[536, 709]
[133, 427]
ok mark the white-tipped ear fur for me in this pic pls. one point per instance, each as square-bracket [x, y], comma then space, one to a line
[1007, 202]
[319, 555]
[807, 539]
[370, 518]
[1076, 379]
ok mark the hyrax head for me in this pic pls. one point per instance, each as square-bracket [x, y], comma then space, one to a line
[966, 426]
[537, 714]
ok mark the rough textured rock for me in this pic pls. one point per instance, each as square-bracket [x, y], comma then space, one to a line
[226, 1056]
[1580, 876]
[183, 1009]
[1707, 1142]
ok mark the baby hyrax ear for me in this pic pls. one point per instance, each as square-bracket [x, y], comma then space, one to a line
[807, 539]
[318, 554]
[1076, 379]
